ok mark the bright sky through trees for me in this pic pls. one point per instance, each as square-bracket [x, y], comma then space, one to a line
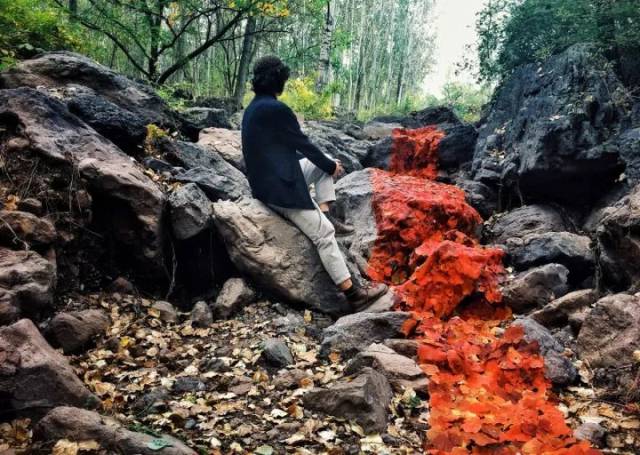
[455, 22]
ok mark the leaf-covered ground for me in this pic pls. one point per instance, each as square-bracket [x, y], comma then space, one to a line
[211, 388]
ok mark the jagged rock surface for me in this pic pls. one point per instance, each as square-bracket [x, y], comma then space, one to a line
[618, 238]
[81, 425]
[33, 376]
[364, 400]
[228, 143]
[276, 255]
[610, 333]
[55, 135]
[75, 330]
[542, 134]
[27, 283]
[355, 333]
[59, 70]
[536, 288]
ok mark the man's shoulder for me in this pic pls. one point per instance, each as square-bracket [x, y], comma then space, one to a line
[272, 105]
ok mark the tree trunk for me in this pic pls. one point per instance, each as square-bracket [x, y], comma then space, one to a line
[245, 60]
[325, 52]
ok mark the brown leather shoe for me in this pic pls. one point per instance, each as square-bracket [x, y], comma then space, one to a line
[362, 297]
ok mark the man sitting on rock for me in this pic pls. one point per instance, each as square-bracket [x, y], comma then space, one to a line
[271, 143]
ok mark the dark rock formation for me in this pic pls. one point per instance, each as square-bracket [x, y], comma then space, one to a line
[33, 376]
[356, 332]
[71, 73]
[618, 244]
[20, 230]
[200, 118]
[118, 187]
[558, 368]
[569, 309]
[190, 211]
[227, 143]
[206, 168]
[201, 315]
[276, 353]
[402, 372]
[542, 134]
[536, 288]
[27, 282]
[518, 223]
[610, 333]
[338, 145]
[571, 250]
[124, 128]
[81, 425]
[76, 330]
[364, 400]
[276, 255]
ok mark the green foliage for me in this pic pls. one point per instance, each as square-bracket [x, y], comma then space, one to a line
[31, 26]
[408, 104]
[516, 32]
[466, 100]
[302, 97]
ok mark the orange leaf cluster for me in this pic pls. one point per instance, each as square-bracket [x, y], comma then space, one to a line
[415, 152]
[488, 391]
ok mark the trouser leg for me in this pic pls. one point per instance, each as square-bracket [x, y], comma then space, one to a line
[323, 182]
[315, 225]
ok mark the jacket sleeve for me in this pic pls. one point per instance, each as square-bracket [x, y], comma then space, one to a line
[291, 133]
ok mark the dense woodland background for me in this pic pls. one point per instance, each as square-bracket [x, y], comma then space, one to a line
[357, 57]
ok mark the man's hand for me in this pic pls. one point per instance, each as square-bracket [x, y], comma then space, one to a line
[339, 169]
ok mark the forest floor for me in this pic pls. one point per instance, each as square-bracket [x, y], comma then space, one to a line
[211, 387]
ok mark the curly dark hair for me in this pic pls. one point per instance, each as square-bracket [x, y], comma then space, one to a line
[270, 74]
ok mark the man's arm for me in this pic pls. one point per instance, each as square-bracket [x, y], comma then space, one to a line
[289, 128]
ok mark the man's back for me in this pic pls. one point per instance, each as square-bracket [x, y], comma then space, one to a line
[271, 138]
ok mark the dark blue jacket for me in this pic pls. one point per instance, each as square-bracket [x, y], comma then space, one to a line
[271, 138]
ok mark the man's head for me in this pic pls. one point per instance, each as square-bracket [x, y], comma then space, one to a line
[270, 75]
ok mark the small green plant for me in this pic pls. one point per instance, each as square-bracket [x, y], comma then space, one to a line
[31, 26]
[301, 96]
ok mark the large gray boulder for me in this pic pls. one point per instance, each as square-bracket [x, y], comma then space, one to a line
[206, 168]
[541, 137]
[337, 144]
[227, 143]
[365, 400]
[571, 250]
[124, 128]
[355, 205]
[569, 309]
[65, 71]
[190, 211]
[518, 223]
[618, 240]
[206, 117]
[610, 333]
[356, 332]
[276, 255]
[79, 425]
[27, 282]
[33, 376]
[536, 288]
[51, 133]
[558, 368]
